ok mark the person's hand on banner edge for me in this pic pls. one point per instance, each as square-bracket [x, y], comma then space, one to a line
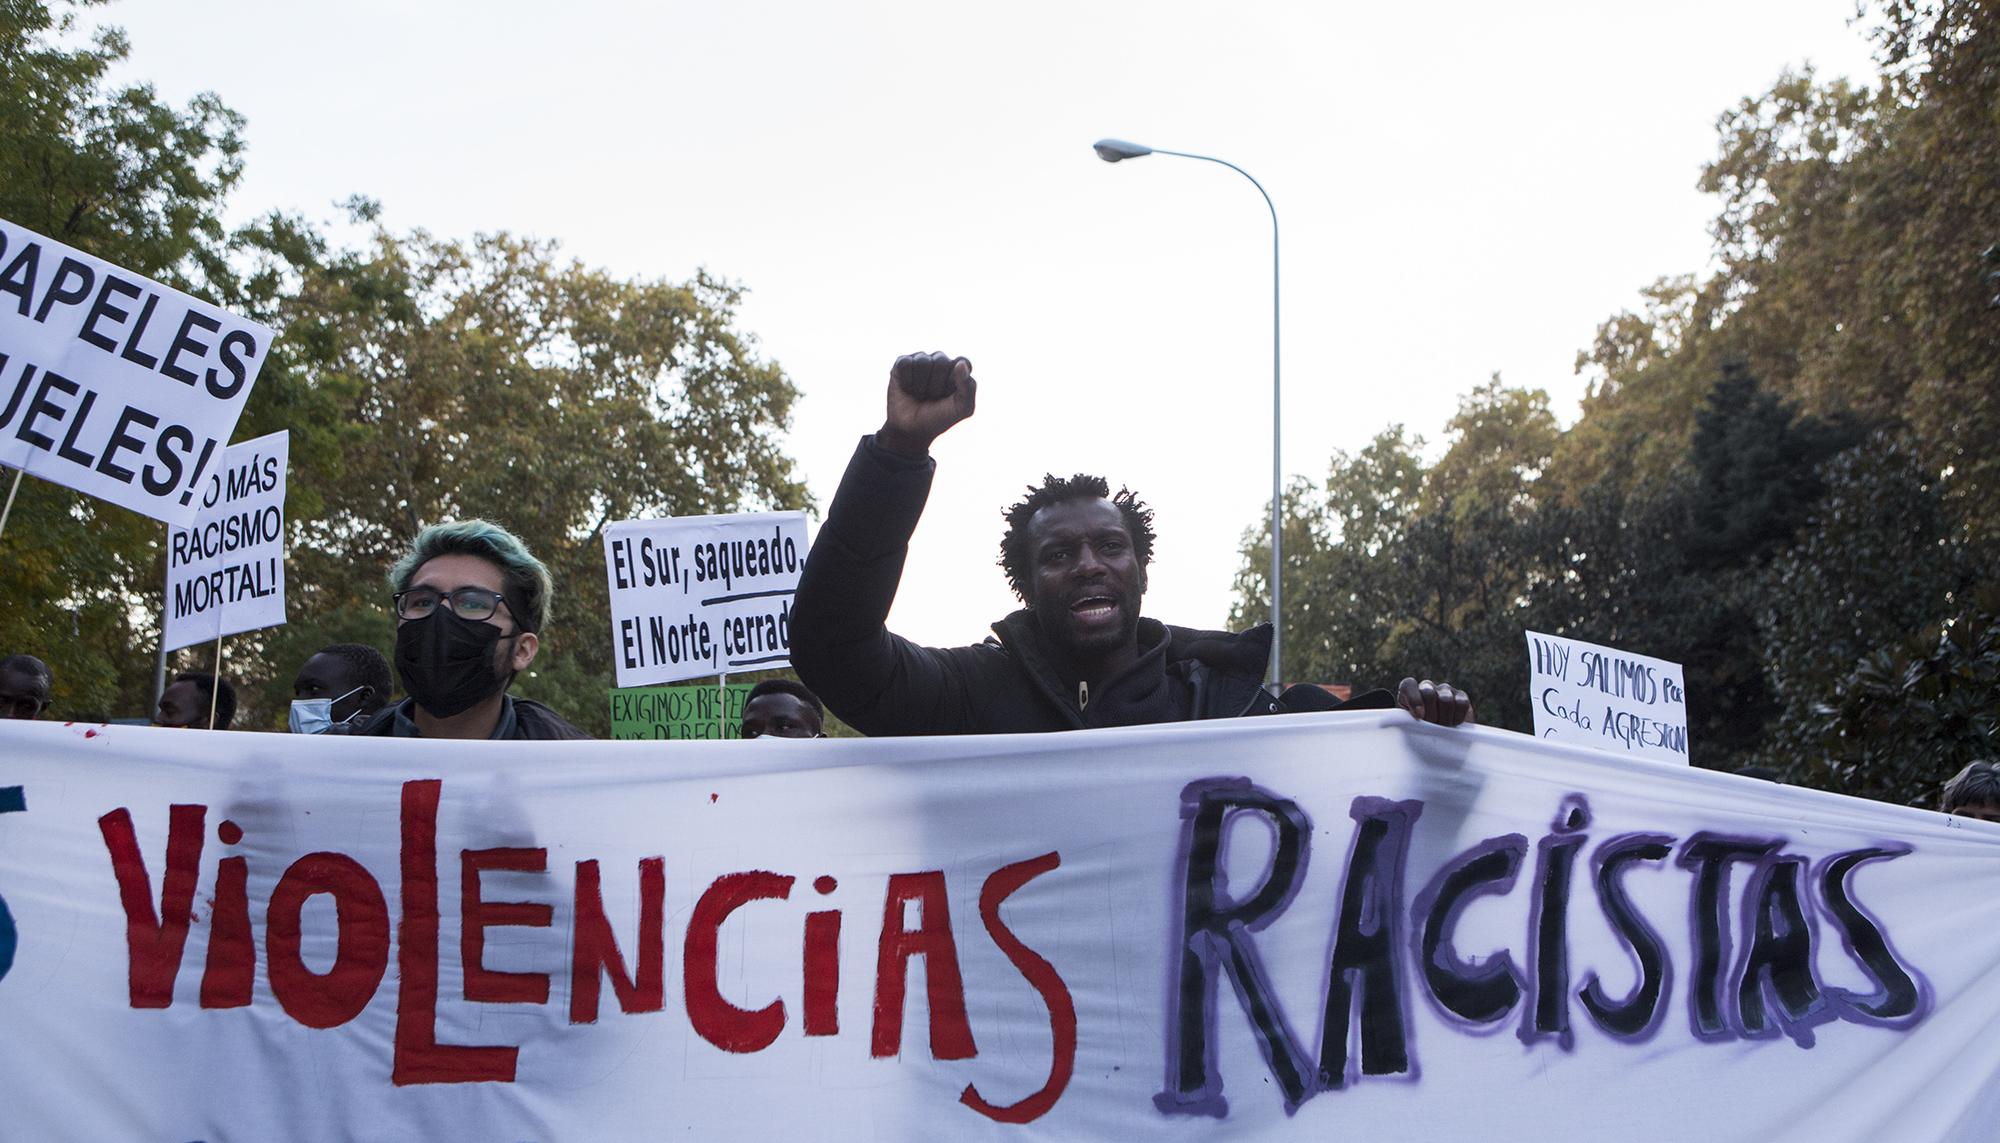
[928, 393]
[1441, 703]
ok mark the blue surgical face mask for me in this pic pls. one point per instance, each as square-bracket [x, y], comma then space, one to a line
[315, 716]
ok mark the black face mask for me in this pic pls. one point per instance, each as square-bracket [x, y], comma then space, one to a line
[447, 662]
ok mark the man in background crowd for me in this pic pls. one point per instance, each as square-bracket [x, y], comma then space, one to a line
[339, 688]
[24, 686]
[187, 701]
[470, 601]
[781, 708]
[1973, 792]
[1077, 655]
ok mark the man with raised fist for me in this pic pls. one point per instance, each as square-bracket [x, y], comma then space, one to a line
[1077, 655]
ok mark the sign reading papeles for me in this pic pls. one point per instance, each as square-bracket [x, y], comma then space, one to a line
[227, 572]
[1613, 700]
[702, 595]
[1314, 927]
[112, 384]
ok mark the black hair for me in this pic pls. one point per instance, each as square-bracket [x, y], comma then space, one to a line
[367, 667]
[791, 687]
[1976, 785]
[1017, 561]
[30, 666]
[224, 700]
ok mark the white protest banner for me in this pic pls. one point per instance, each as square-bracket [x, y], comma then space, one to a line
[1606, 698]
[227, 572]
[113, 384]
[1335, 926]
[702, 595]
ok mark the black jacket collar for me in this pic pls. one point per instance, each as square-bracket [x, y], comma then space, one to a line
[1181, 673]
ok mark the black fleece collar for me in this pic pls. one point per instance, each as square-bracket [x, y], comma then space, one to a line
[1155, 688]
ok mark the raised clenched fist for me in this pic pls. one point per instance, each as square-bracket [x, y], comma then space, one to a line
[928, 393]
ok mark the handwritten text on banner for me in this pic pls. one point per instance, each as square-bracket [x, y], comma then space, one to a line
[1335, 926]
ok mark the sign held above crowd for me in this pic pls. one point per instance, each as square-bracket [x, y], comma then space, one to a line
[226, 573]
[113, 384]
[1589, 695]
[702, 595]
[696, 711]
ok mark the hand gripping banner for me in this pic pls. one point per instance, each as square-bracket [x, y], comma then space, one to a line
[1342, 926]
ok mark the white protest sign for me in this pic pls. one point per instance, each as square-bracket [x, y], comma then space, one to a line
[113, 384]
[1606, 698]
[227, 572]
[702, 595]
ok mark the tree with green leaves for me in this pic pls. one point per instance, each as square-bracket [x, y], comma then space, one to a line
[1390, 563]
[1781, 475]
[1914, 713]
[492, 379]
[422, 379]
[118, 173]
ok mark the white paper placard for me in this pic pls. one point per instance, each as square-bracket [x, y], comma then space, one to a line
[113, 384]
[1613, 700]
[702, 595]
[227, 573]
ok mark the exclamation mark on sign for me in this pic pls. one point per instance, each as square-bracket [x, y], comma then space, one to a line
[201, 462]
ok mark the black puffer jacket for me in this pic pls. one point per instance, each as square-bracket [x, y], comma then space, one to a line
[882, 684]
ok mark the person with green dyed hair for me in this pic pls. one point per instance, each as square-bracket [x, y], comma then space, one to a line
[470, 603]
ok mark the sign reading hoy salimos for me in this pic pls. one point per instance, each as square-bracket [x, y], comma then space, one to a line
[1610, 699]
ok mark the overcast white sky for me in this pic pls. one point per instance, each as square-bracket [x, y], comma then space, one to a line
[1463, 188]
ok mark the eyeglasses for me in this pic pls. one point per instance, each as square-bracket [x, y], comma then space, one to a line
[474, 603]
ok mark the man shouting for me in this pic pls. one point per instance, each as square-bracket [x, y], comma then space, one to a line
[1078, 655]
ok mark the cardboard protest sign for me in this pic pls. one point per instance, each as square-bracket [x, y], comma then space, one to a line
[702, 595]
[693, 711]
[1610, 699]
[226, 573]
[1310, 927]
[113, 384]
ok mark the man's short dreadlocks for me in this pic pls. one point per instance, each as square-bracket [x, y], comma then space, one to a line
[1017, 561]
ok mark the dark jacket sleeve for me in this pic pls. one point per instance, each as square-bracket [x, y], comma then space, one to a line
[878, 682]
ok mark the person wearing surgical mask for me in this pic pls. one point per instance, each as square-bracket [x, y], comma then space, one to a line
[339, 688]
[470, 601]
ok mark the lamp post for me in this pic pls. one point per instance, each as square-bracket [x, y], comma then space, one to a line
[1117, 150]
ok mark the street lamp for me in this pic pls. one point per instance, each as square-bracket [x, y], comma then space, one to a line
[1117, 150]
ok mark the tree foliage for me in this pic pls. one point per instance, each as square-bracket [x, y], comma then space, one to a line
[1911, 715]
[1781, 475]
[116, 172]
[489, 378]
[422, 379]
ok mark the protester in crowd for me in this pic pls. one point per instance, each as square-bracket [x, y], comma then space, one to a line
[470, 601]
[1077, 655]
[24, 686]
[781, 708]
[186, 702]
[339, 688]
[1973, 792]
